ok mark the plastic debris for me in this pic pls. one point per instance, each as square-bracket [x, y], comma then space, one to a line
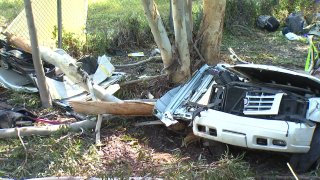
[136, 54]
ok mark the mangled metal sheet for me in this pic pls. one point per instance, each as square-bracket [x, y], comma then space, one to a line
[65, 89]
[70, 86]
[277, 75]
[172, 103]
[14, 81]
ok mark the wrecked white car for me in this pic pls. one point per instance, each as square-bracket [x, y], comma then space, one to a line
[253, 106]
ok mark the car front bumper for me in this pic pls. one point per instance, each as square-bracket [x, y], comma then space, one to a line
[254, 133]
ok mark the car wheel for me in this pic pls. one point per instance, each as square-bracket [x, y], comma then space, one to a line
[303, 162]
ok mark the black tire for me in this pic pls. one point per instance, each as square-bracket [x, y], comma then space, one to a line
[303, 162]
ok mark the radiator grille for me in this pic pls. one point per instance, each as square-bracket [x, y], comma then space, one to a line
[261, 103]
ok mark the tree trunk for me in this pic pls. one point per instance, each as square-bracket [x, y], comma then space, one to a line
[158, 31]
[181, 42]
[189, 22]
[210, 33]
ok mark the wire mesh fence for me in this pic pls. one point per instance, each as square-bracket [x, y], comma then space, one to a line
[45, 15]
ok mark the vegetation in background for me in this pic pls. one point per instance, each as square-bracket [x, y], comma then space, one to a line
[114, 24]
[245, 12]
[9, 9]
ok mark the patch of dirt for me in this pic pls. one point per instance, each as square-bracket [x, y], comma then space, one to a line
[142, 150]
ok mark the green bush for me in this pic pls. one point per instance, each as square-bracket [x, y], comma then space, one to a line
[245, 12]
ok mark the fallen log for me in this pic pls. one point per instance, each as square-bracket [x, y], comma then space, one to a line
[115, 108]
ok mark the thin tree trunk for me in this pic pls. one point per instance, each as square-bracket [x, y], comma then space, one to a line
[181, 42]
[210, 32]
[41, 80]
[189, 22]
[159, 32]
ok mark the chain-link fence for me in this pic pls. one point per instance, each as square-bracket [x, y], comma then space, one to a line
[45, 13]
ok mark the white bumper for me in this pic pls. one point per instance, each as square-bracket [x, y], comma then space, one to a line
[253, 133]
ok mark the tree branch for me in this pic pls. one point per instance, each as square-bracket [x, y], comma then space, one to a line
[154, 58]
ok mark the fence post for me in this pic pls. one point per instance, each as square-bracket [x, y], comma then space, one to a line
[41, 80]
[59, 19]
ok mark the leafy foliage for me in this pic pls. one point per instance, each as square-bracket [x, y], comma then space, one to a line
[245, 12]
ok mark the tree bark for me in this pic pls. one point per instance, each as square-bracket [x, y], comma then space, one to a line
[189, 22]
[181, 42]
[210, 33]
[158, 31]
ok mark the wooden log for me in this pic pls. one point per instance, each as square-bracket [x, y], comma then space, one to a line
[114, 108]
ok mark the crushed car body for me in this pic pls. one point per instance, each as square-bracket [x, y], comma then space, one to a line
[17, 73]
[248, 105]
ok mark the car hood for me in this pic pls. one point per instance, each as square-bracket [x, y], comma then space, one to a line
[277, 75]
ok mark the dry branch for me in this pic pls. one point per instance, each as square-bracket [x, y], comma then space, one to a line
[122, 108]
[154, 58]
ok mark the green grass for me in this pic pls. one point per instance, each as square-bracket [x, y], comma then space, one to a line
[9, 9]
[21, 99]
[119, 24]
[60, 154]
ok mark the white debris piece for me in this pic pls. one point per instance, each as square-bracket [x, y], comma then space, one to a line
[104, 70]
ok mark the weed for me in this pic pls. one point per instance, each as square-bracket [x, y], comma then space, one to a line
[20, 99]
